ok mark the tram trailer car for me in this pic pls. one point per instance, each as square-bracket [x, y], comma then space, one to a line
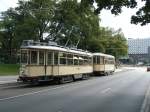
[103, 64]
[45, 62]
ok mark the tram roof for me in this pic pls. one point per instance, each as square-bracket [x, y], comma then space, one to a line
[56, 48]
[102, 54]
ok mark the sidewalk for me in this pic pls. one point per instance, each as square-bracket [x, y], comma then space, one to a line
[120, 69]
[8, 79]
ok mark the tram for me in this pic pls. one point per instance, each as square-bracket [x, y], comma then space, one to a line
[103, 64]
[49, 61]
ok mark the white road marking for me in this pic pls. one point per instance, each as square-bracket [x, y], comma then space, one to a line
[105, 90]
[145, 106]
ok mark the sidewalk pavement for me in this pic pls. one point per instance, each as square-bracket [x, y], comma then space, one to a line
[8, 79]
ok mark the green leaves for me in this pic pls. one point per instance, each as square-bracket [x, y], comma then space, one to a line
[67, 22]
[142, 15]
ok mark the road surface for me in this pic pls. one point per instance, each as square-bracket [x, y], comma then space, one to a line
[121, 92]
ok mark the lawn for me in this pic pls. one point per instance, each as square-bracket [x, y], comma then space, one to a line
[9, 69]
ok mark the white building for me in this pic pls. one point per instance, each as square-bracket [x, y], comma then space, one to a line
[139, 50]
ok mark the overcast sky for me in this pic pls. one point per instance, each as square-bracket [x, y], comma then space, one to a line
[108, 20]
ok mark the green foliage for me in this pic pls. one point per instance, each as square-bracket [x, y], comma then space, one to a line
[142, 16]
[73, 22]
[67, 22]
[115, 6]
[9, 69]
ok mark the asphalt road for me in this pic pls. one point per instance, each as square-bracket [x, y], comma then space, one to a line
[121, 92]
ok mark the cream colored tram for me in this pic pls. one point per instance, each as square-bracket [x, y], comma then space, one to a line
[45, 62]
[103, 64]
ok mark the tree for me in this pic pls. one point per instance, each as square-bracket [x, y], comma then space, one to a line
[115, 6]
[68, 22]
[35, 18]
[73, 23]
[117, 45]
[7, 35]
[142, 15]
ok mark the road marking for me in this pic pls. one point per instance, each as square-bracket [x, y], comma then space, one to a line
[105, 90]
[146, 103]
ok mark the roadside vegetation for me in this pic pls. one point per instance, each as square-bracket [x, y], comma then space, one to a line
[9, 69]
[65, 21]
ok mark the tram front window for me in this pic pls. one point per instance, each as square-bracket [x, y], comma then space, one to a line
[24, 57]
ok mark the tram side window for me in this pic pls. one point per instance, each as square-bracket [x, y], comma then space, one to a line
[98, 59]
[101, 60]
[55, 58]
[50, 58]
[63, 59]
[33, 57]
[24, 57]
[94, 60]
[85, 60]
[76, 61]
[41, 57]
[106, 61]
[90, 60]
[69, 59]
[81, 60]
[112, 61]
